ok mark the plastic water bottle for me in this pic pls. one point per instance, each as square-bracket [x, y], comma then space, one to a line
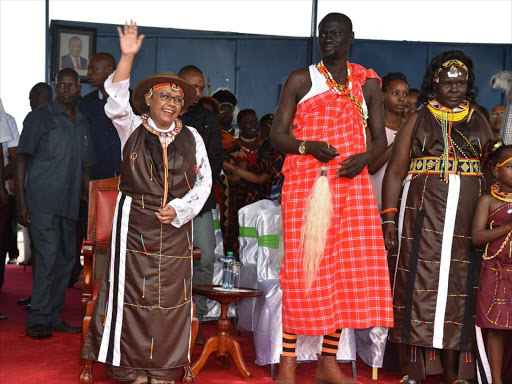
[234, 281]
[227, 270]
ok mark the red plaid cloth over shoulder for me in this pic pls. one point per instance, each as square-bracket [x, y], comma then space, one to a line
[352, 288]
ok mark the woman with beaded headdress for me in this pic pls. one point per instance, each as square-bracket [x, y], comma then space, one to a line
[142, 319]
[435, 162]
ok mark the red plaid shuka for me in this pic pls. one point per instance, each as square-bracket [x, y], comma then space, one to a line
[352, 288]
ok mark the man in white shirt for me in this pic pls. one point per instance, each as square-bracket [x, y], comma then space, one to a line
[9, 242]
[5, 136]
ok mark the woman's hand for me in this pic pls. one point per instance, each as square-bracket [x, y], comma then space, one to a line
[129, 40]
[322, 151]
[389, 232]
[166, 214]
[234, 179]
[228, 166]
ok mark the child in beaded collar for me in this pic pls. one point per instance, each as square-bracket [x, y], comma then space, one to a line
[492, 225]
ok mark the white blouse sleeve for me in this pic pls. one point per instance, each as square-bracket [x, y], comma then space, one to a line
[191, 204]
[119, 110]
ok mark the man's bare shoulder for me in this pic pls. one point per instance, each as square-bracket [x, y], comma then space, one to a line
[299, 83]
[299, 74]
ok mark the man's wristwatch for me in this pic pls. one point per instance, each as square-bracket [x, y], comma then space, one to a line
[302, 147]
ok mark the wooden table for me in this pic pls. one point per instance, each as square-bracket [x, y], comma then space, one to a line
[223, 343]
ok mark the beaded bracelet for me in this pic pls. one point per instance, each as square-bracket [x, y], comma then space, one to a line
[388, 222]
[383, 212]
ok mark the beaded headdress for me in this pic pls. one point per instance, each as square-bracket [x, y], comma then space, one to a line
[173, 86]
[452, 65]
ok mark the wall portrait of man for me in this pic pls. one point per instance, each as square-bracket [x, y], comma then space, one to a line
[72, 48]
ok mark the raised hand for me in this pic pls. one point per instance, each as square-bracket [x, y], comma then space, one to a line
[129, 40]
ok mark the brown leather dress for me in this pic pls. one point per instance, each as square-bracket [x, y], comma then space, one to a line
[437, 268]
[141, 322]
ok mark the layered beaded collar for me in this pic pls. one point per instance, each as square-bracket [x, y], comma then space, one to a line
[177, 127]
[499, 194]
[441, 112]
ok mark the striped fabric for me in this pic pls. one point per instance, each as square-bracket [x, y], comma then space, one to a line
[331, 343]
[110, 351]
[352, 289]
[289, 344]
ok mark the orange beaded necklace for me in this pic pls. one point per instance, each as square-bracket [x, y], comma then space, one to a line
[345, 90]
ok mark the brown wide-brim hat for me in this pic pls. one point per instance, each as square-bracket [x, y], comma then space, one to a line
[161, 77]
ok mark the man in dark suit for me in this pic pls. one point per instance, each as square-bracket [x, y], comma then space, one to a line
[73, 58]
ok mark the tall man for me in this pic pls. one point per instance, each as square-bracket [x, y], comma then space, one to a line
[53, 155]
[207, 125]
[347, 284]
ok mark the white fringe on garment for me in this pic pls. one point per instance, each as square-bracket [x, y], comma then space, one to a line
[317, 220]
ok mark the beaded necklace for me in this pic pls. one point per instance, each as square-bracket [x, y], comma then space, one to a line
[165, 139]
[445, 117]
[241, 139]
[502, 246]
[455, 114]
[345, 90]
[500, 195]
[248, 150]
[177, 128]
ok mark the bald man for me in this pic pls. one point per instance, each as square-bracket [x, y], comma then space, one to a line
[323, 294]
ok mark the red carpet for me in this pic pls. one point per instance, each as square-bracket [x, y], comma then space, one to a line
[55, 360]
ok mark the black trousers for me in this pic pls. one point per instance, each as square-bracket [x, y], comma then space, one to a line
[55, 252]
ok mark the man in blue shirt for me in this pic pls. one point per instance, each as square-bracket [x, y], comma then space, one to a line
[54, 154]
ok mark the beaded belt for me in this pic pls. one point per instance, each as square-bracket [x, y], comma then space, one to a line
[435, 165]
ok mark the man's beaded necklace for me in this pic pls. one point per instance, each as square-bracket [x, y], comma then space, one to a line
[345, 90]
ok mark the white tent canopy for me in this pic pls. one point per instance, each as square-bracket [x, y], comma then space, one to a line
[22, 25]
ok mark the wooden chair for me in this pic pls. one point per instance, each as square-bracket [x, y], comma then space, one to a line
[102, 202]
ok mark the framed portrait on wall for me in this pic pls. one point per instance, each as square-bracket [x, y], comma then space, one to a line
[72, 48]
